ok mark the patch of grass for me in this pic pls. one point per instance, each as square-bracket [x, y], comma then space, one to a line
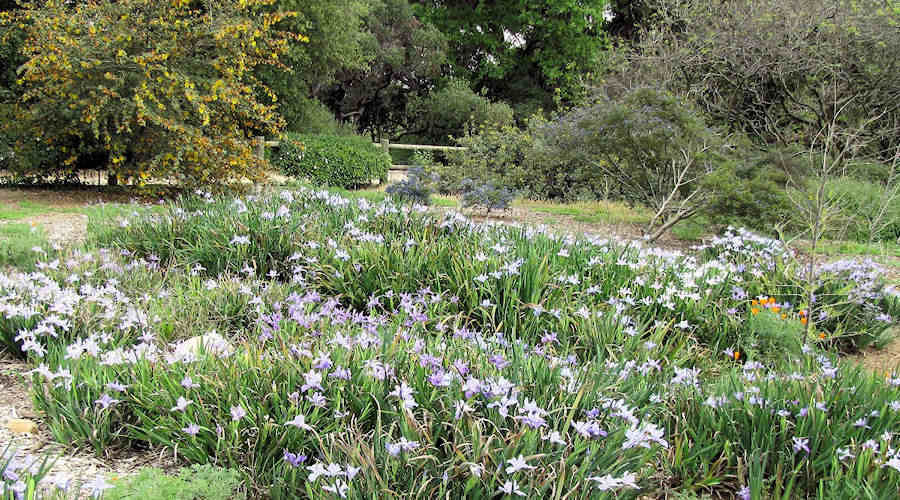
[17, 242]
[692, 229]
[592, 212]
[551, 221]
[439, 200]
[99, 215]
[378, 194]
[105, 211]
[857, 248]
[23, 209]
[374, 195]
[198, 482]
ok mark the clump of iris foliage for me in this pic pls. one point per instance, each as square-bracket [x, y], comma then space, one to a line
[381, 351]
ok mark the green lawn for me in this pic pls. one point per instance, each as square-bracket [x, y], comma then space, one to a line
[16, 244]
[592, 212]
[23, 209]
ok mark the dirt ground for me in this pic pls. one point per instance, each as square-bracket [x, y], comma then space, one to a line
[60, 227]
[64, 197]
[558, 223]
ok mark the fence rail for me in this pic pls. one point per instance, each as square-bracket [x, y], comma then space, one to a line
[262, 144]
[420, 147]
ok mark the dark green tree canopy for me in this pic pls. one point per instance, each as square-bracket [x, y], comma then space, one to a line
[407, 58]
[499, 44]
[338, 41]
[447, 113]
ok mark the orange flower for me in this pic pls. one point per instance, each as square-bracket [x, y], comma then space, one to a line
[754, 302]
[776, 309]
[822, 335]
[783, 316]
[803, 320]
[754, 310]
[737, 355]
[771, 300]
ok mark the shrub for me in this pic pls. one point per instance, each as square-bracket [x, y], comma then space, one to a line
[449, 112]
[486, 195]
[646, 147]
[341, 161]
[156, 88]
[495, 154]
[540, 161]
[415, 188]
[654, 149]
[868, 212]
[753, 195]
[310, 116]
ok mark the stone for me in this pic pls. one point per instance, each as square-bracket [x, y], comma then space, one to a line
[211, 343]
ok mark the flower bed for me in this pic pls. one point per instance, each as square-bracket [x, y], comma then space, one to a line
[373, 350]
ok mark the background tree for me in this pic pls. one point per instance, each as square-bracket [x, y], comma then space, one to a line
[447, 113]
[626, 20]
[408, 55]
[780, 70]
[338, 41]
[160, 89]
[525, 52]
[10, 59]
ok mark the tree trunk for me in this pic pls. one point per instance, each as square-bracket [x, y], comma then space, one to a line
[661, 230]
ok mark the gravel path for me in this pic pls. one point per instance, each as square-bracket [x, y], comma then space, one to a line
[78, 465]
[59, 227]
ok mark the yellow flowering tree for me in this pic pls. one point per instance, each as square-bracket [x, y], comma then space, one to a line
[156, 88]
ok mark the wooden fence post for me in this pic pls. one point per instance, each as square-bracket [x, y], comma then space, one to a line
[385, 144]
[261, 147]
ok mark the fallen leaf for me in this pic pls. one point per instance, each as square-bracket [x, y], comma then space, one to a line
[21, 426]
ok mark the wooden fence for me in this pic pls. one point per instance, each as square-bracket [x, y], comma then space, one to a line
[262, 144]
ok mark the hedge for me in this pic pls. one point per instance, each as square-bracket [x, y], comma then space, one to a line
[342, 161]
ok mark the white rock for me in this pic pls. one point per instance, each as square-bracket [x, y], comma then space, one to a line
[211, 343]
